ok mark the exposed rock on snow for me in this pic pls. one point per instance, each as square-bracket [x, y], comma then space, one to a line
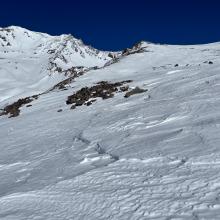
[14, 109]
[134, 91]
[103, 89]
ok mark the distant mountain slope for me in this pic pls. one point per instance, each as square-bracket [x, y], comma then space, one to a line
[35, 61]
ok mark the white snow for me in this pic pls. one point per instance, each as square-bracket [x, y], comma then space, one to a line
[153, 155]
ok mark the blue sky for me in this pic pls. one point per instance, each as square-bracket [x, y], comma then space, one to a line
[117, 24]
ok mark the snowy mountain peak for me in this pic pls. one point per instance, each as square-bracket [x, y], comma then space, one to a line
[17, 39]
[28, 58]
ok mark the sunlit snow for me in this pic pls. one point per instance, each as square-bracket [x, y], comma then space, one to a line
[154, 155]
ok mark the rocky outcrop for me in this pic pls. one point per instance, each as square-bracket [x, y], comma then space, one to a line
[103, 89]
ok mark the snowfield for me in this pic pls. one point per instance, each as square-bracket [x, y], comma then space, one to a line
[154, 155]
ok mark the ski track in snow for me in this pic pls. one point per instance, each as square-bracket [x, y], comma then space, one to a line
[152, 156]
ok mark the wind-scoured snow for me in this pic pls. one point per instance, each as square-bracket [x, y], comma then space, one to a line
[154, 155]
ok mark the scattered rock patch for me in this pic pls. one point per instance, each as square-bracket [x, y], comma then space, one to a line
[103, 89]
[134, 91]
[14, 109]
[208, 62]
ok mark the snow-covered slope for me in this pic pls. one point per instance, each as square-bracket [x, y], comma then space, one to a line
[31, 61]
[153, 155]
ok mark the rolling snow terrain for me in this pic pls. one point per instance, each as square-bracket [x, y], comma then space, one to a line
[84, 151]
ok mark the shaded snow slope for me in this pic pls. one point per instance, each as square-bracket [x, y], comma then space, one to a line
[153, 155]
[32, 62]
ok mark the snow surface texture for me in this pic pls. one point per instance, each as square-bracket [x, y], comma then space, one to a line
[154, 155]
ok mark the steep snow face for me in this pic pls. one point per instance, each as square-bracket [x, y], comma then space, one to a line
[153, 155]
[32, 62]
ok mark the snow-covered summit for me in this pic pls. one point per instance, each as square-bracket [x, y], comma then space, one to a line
[65, 49]
[37, 60]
